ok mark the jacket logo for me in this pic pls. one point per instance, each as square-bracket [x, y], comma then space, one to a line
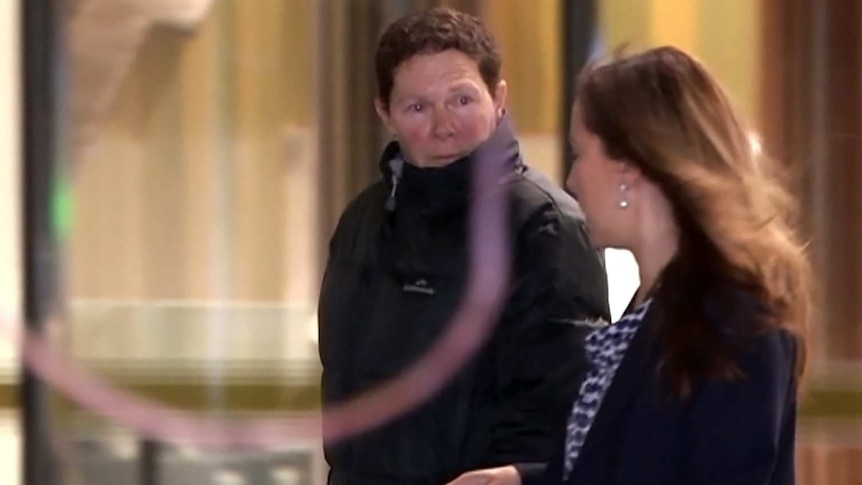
[419, 286]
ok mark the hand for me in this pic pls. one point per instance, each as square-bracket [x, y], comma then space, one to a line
[506, 475]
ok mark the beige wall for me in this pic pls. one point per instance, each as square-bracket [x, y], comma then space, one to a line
[529, 37]
[198, 184]
[10, 158]
[10, 223]
[725, 35]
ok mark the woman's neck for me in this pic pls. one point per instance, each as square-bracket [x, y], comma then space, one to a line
[651, 263]
[657, 246]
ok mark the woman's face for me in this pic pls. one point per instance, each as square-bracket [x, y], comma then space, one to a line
[440, 109]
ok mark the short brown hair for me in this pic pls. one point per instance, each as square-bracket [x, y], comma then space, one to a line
[431, 31]
[662, 111]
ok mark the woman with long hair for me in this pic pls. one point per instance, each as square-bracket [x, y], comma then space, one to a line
[698, 381]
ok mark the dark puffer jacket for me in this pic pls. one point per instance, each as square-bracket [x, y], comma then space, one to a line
[395, 276]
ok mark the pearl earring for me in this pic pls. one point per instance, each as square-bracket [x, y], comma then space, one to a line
[624, 203]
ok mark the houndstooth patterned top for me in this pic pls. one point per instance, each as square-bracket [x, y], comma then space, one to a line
[605, 349]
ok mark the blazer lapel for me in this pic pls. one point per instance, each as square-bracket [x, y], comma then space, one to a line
[630, 376]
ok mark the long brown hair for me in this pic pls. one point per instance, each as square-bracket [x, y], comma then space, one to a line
[740, 266]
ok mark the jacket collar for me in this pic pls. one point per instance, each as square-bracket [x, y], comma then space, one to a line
[435, 190]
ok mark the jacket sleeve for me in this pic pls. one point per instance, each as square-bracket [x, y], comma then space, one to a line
[558, 291]
[742, 430]
[343, 241]
[331, 341]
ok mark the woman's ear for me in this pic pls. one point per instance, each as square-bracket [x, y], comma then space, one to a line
[629, 173]
[499, 96]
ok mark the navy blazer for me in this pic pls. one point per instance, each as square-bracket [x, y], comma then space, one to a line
[739, 432]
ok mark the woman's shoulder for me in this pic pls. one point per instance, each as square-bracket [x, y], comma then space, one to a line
[768, 347]
[359, 221]
[764, 375]
[764, 354]
[744, 331]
